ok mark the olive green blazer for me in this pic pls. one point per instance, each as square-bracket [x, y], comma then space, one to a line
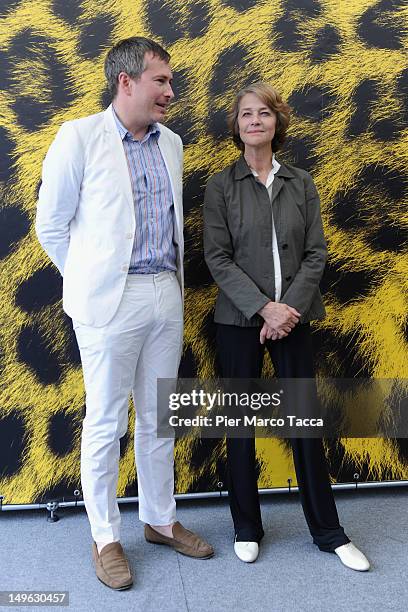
[238, 242]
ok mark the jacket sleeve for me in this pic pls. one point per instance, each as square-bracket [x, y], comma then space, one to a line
[302, 289]
[59, 193]
[219, 252]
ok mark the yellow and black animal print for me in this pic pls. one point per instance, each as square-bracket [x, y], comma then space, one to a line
[342, 67]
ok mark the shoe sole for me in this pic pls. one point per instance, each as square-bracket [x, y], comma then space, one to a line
[179, 551]
[245, 561]
[122, 588]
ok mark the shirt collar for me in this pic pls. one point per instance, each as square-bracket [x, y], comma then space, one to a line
[275, 167]
[242, 169]
[124, 133]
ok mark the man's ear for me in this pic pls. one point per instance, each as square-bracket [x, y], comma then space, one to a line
[124, 83]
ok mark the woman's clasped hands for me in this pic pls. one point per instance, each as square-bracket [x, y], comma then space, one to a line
[279, 320]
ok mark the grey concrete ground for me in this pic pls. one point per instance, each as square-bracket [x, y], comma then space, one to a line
[291, 574]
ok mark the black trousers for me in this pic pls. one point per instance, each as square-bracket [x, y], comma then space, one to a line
[240, 355]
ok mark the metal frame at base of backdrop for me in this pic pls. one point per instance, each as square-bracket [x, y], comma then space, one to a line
[215, 494]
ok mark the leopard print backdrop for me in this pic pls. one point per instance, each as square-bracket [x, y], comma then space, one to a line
[342, 67]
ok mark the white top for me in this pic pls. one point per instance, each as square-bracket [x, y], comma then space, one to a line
[275, 252]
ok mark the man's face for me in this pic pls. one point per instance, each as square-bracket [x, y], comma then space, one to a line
[151, 94]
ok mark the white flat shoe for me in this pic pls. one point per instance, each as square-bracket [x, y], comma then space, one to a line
[247, 551]
[353, 558]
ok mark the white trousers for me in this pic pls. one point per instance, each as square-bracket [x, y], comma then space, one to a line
[140, 344]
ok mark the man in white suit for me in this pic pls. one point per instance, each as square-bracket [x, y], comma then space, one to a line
[110, 218]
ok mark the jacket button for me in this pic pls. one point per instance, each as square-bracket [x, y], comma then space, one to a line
[284, 246]
[129, 236]
[288, 278]
[125, 268]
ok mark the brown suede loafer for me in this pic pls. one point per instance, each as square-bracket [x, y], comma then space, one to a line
[112, 567]
[184, 541]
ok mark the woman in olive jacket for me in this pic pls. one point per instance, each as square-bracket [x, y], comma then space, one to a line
[265, 248]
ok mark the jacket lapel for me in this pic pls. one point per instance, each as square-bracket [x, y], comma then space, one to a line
[279, 180]
[167, 150]
[118, 156]
[276, 187]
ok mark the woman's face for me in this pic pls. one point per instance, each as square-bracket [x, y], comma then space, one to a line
[256, 121]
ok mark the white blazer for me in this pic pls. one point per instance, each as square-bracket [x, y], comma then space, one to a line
[85, 215]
